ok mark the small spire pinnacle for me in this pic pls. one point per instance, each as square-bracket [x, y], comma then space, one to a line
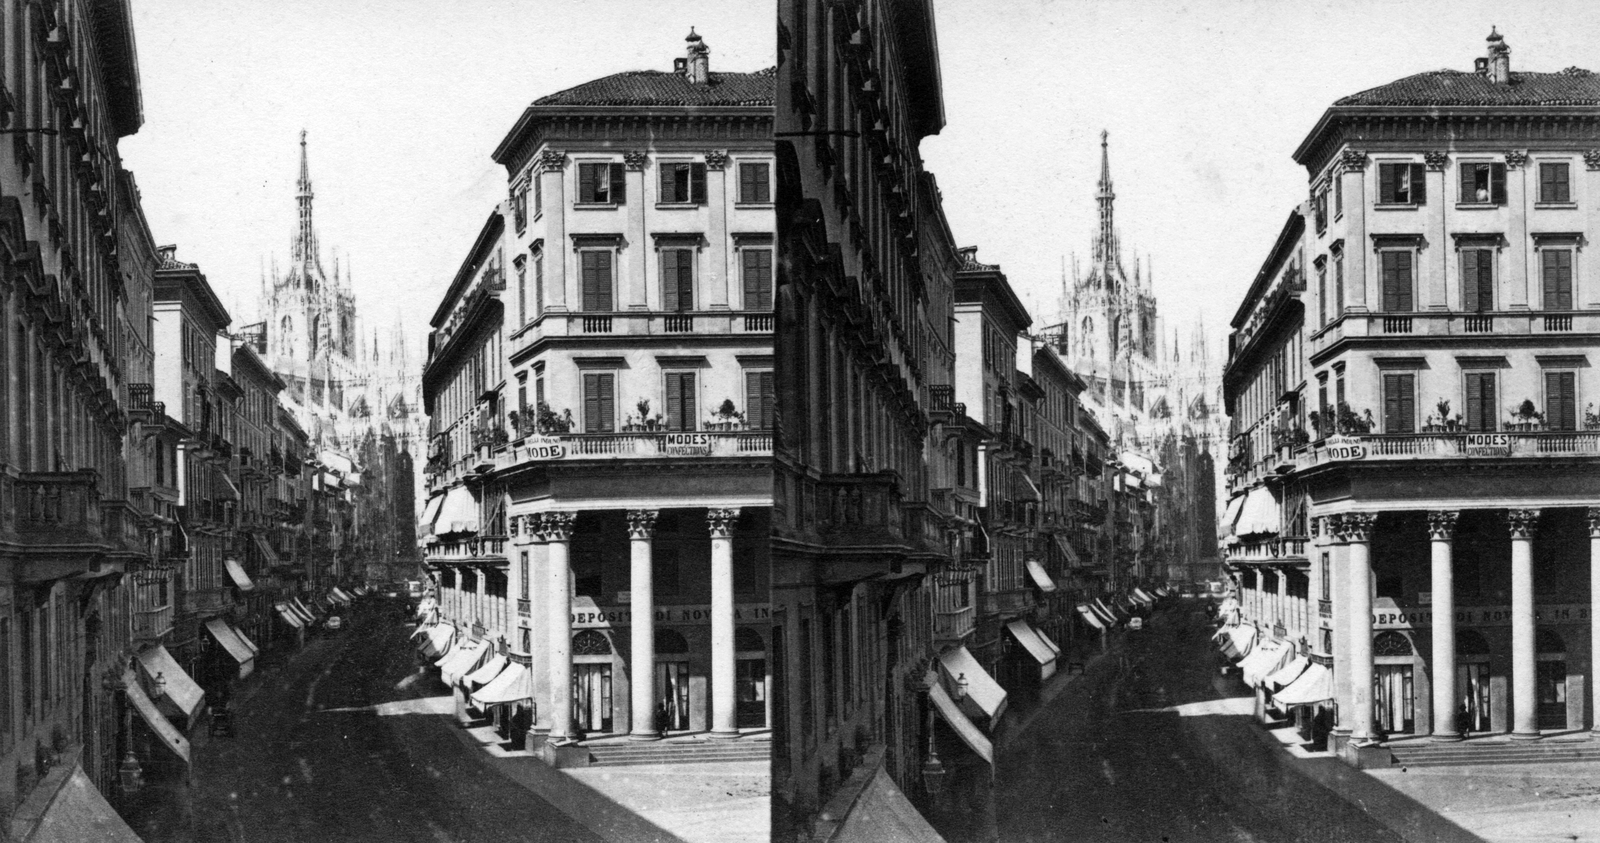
[1106, 242]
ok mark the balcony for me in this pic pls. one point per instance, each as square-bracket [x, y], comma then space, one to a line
[955, 625]
[474, 549]
[206, 600]
[1013, 601]
[1358, 326]
[641, 323]
[637, 445]
[59, 505]
[151, 625]
[1453, 445]
[142, 405]
[1269, 549]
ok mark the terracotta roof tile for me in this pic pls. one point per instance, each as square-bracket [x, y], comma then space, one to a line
[664, 88]
[1573, 86]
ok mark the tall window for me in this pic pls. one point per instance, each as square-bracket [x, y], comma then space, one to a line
[601, 184]
[755, 183]
[677, 279]
[758, 398]
[599, 402]
[538, 194]
[683, 183]
[1561, 400]
[1483, 183]
[538, 284]
[1399, 403]
[1556, 272]
[519, 205]
[1396, 281]
[1322, 294]
[1555, 183]
[681, 407]
[1481, 414]
[1338, 284]
[756, 265]
[522, 291]
[1401, 184]
[596, 269]
[1477, 280]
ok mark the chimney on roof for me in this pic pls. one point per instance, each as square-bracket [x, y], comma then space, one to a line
[168, 254]
[1499, 60]
[698, 64]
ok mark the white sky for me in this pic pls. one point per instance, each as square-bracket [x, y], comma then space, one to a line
[1205, 102]
[404, 101]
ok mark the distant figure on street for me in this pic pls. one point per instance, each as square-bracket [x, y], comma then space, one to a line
[1463, 721]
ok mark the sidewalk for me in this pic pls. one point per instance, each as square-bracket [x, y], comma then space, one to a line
[721, 802]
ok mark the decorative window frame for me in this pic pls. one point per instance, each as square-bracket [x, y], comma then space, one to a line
[1562, 365]
[1543, 241]
[612, 243]
[1413, 244]
[577, 183]
[662, 164]
[744, 241]
[1378, 163]
[737, 166]
[1454, 185]
[692, 241]
[1456, 283]
[1535, 165]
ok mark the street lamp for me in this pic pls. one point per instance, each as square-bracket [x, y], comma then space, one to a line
[961, 687]
[159, 687]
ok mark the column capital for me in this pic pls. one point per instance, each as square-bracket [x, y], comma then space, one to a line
[1515, 158]
[1436, 159]
[642, 523]
[551, 160]
[716, 159]
[1442, 524]
[634, 159]
[524, 529]
[1356, 527]
[557, 526]
[1522, 522]
[1591, 159]
[1352, 161]
[721, 522]
[1593, 515]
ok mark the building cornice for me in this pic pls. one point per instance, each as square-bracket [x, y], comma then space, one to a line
[1455, 126]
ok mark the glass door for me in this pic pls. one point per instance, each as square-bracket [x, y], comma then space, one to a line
[591, 696]
[672, 695]
[1551, 684]
[1472, 680]
[1392, 698]
[750, 678]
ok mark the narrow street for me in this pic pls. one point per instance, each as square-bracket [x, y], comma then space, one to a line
[1110, 760]
[335, 747]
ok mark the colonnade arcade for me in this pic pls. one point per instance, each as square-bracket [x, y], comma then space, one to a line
[1463, 611]
[554, 572]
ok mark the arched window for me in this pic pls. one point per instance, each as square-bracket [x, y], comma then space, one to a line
[590, 642]
[1391, 643]
[285, 331]
[1470, 642]
[747, 640]
[1549, 642]
[670, 643]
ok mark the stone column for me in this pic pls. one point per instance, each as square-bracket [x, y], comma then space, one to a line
[1594, 611]
[1353, 174]
[1357, 527]
[642, 606]
[557, 528]
[1441, 531]
[1524, 699]
[724, 722]
[718, 280]
[1432, 286]
[636, 294]
[1283, 598]
[1518, 273]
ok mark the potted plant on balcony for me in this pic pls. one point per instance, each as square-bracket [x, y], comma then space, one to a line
[1438, 423]
[1351, 424]
[1591, 419]
[1525, 418]
[726, 417]
[552, 424]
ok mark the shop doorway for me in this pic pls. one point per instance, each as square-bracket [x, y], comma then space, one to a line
[1550, 680]
[750, 679]
[1393, 698]
[672, 695]
[591, 696]
[1472, 679]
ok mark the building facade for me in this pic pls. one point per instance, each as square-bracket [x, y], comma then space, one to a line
[1433, 414]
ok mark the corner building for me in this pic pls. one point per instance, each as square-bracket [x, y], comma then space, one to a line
[600, 388]
[1450, 446]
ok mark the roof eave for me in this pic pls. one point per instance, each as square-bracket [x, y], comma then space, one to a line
[1338, 113]
[535, 114]
[488, 235]
[1288, 236]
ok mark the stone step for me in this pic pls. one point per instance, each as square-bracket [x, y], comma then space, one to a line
[679, 753]
[1447, 755]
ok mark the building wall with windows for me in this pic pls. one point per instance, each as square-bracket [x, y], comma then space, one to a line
[1448, 321]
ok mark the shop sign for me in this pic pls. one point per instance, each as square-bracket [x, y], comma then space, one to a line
[542, 449]
[688, 444]
[1344, 448]
[612, 617]
[1478, 616]
[1489, 444]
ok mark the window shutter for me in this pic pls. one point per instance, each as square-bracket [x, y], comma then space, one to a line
[619, 185]
[1391, 301]
[669, 279]
[769, 395]
[1497, 183]
[1547, 183]
[1469, 281]
[590, 301]
[1391, 403]
[1386, 179]
[1569, 401]
[1486, 283]
[685, 279]
[1467, 182]
[1419, 185]
[1564, 280]
[591, 403]
[697, 184]
[1408, 404]
[674, 402]
[747, 183]
[585, 182]
[1403, 280]
[667, 193]
[1488, 409]
[608, 401]
[1563, 185]
[1474, 401]
[602, 278]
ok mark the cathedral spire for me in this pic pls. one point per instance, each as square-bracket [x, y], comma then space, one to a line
[305, 243]
[1105, 243]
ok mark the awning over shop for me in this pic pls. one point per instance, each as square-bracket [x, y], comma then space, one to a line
[459, 513]
[486, 672]
[183, 695]
[231, 642]
[1041, 577]
[1068, 552]
[267, 552]
[882, 813]
[1230, 518]
[1239, 642]
[463, 661]
[438, 640]
[1264, 660]
[984, 692]
[289, 616]
[1313, 686]
[1032, 487]
[227, 489]
[153, 717]
[237, 574]
[1140, 596]
[1228, 604]
[341, 595]
[514, 684]
[1276, 680]
[958, 720]
[1105, 611]
[1090, 615]
[305, 614]
[1260, 513]
[79, 812]
[430, 514]
[246, 639]
[1138, 462]
[1029, 638]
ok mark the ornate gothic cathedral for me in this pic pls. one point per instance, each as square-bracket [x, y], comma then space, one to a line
[361, 400]
[1157, 399]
